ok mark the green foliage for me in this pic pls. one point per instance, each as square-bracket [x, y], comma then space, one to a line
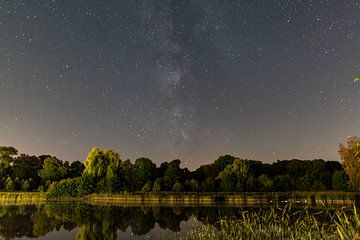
[193, 185]
[350, 155]
[236, 177]
[172, 174]
[104, 168]
[208, 185]
[157, 186]
[85, 186]
[64, 188]
[76, 169]
[4, 172]
[265, 183]
[304, 183]
[104, 172]
[147, 187]
[71, 187]
[98, 162]
[6, 159]
[9, 184]
[53, 170]
[283, 183]
[109, 180]
[27, 167]
[127, 175]
[144, 170]
[25, 185]
[220, 164]
[6, 153]
[177, 187]
[340, 181]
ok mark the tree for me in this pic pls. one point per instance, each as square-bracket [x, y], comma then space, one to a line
[193, 185]
[7, 153]
[283, 183]
[109, 181]
[85, 185]
[209, 185]
[304, 183]
[27, 167]
[296, 168]
[265, 183]
[147, 187]
[350, 155]
[6, 159]
[177, 187]
[97, 162]
[76, 169]
[127, 175]
[157, 186]
[104, 168]
[172, 174]
[53, 170]
[236, 177]
[144, 171]
[9, 184]
[220, 164]
[25, 185]
[339, 181]
[316, 170]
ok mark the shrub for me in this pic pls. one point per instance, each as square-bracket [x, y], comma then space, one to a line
[64, 188]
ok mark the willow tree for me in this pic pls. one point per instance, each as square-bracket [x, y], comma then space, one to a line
[103, 167]
[350, 155]
[236, 177]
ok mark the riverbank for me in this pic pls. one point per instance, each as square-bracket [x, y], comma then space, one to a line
[327, 198]
[22, 198]
[168, 198]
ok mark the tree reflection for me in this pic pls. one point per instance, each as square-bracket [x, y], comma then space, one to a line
[97, 222]
[14, 222]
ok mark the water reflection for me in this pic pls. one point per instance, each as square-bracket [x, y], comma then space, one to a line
[97, 222]
[104, 222]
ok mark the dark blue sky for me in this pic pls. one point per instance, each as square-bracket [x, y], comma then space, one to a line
[192, 80]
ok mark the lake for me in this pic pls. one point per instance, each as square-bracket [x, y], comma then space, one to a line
[56, 220]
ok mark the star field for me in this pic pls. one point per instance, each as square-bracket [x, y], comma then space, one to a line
[192, 80]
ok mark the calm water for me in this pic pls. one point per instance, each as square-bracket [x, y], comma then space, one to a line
[84, 221]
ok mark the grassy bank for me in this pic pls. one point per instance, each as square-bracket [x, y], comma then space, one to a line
[190, 198]
[22, 197]
[284, 224]
[328, 198]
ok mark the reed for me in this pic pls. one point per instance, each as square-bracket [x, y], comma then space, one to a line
[343, 224]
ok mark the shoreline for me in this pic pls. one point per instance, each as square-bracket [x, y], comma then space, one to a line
[168, 198]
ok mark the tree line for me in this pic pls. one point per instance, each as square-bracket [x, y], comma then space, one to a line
[104, 171]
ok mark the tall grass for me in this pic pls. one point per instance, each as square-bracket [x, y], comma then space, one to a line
[21, 197]
[343, 224]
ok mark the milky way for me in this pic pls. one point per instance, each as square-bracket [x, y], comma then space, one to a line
[192, 80]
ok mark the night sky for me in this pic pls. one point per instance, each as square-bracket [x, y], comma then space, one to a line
[193, 80]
